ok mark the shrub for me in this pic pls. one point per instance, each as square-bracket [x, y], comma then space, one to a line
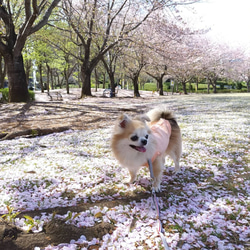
[238, 85]
[32, 95]
[222, 85]
[5, 93]
[149, 86]
[191, 88]
[168, 85]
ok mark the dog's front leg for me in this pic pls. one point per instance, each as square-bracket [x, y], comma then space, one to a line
[133, 174]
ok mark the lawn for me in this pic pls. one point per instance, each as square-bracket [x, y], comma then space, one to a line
[205, 206]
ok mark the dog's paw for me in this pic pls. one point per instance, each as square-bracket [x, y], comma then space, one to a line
[157, 186]
[157, 189]
[127, 182]
[176, 170]
[131, 181]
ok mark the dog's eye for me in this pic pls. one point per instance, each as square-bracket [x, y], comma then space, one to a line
[146, 136]
[134, 138]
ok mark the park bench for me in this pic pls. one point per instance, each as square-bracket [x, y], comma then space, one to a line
[55, 96]
[107, 92]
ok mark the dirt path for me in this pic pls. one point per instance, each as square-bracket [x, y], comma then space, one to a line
[44, 116]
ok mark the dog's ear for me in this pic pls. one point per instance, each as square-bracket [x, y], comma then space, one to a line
[123, 120]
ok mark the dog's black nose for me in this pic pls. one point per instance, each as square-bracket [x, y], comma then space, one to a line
[144, 142]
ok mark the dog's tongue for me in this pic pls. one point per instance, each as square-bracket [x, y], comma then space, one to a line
[141, 149]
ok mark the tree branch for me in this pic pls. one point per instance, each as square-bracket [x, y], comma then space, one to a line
[4, 15]
[45, 19]
[27, 10]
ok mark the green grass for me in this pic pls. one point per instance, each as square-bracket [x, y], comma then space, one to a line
[191, 88]
[5, 93]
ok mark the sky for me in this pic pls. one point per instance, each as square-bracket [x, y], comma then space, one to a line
[229, 20]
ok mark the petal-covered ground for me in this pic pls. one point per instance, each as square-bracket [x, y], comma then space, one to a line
[205, 206]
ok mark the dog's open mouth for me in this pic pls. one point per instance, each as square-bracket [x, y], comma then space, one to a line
[140, 149]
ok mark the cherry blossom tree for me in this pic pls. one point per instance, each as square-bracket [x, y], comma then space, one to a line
[101, 25]
[244, 72]
[158, 72]
[134, 61]
[186, 65]
[19, 20]
[212, 63]
[165, 42]
[110, 62]
[238, 67]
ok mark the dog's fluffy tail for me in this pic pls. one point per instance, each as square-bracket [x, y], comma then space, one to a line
[158, 113]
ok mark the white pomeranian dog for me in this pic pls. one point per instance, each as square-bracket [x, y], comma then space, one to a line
[152, 136]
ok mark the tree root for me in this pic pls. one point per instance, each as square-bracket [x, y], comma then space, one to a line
[32, 132]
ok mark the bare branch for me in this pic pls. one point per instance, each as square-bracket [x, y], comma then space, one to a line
[45, 18]
[35, 7]
[27, 10]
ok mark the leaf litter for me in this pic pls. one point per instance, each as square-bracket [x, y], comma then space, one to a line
[205, 206]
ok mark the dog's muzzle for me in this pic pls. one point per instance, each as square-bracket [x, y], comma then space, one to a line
[141, 149]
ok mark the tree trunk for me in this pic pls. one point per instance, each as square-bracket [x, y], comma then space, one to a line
[58, 83]
[208, 87]
[160, 85]
[136, 89]
[48, 77]
[214, 87]
[159, 81]
[111, 74]
[66, 80]
[197, 85]
[2, 72]
[61, 81]
[27, 72]
[40, 68]
[52, 79]
[173, 87]
[18, 90]
[86, 83]
[177, 87]
[28, 65]
[67, 85]
[184, 86]
[248, 85]
[96, 79]
[112, 83]
[104, 80]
